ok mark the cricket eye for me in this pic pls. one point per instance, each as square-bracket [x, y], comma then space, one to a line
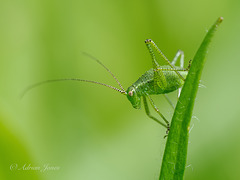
[130, 93]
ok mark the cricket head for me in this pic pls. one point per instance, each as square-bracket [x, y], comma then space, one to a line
[133, 97]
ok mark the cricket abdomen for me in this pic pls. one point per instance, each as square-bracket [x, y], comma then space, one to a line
[145, 84]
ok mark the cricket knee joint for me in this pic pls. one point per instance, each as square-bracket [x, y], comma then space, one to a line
[148, 41]
[180, 51]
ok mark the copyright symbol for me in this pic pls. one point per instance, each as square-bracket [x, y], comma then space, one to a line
[13, 167]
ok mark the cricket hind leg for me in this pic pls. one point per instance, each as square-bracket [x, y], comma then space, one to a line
[169, 101]
[156, 109]
[179, 53]
[159, 78]
[150, 43]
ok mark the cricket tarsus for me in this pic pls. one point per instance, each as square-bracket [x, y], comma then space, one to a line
[158, 80]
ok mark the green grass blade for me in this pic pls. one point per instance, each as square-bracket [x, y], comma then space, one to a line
[175, 155]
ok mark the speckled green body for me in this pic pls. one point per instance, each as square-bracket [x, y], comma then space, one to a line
[144, 86]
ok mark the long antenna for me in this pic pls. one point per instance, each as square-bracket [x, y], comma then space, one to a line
[122, 91]
[70, 79]
[99, 62]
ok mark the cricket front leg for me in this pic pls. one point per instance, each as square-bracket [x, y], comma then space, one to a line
[152, 117]
[157, 110]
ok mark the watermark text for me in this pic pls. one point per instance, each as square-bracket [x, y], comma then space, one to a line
[30, 167]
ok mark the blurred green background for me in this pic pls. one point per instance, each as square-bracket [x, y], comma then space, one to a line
[89, 132]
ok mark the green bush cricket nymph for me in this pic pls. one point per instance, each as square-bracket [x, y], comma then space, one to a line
[158, 80]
